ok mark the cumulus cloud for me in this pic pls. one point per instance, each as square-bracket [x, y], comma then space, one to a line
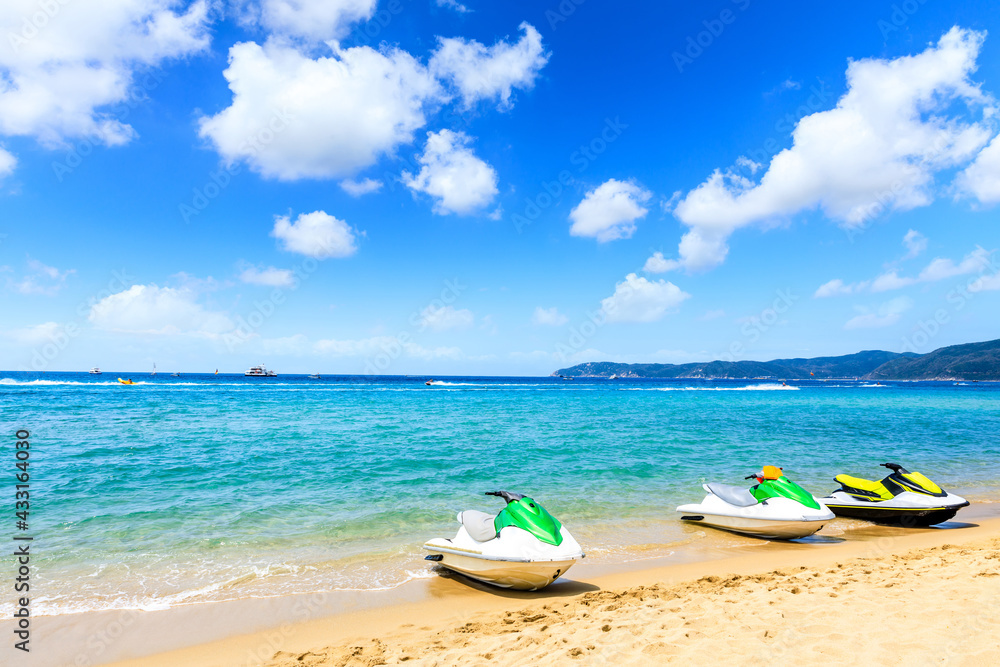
[7, 163]
[451, 173]
[269, 277]
[315, 234]
[157, 310]
[314, 19]
[657, 263]
[609, 211]
[981, 179]
[442, 318]
[900, 122]
[59, 77]
[293, 117]
[915, 243]
[360, 188]
[887, 315]
[550, 317]
[640, 300]
[40, 279]
[479, 72]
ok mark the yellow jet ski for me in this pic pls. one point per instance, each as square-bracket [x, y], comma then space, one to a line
[125, 381]
[902, 497]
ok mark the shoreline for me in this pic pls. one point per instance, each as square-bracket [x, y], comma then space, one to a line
[251, 630]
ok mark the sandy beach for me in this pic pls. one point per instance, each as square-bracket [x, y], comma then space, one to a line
[910, 597]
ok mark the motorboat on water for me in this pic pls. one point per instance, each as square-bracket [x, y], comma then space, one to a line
[614, 376]
[259, 372]
[315, 376]
[522, 547]
[775, 508]
[95, 371]
[902, 497]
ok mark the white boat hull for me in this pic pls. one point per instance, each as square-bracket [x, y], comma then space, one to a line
[519, 575]
[764, 528]
[777, 519]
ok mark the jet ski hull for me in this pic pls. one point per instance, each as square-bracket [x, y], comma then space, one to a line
[514, 574]
[763, 528]
[776, 519]
[920, 517]
[906, 509]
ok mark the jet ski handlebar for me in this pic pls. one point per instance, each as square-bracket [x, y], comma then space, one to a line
[506, 495]
[895, 467]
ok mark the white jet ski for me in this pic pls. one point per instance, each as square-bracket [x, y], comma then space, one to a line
[523, 547]
[902, 497]
[776, 508]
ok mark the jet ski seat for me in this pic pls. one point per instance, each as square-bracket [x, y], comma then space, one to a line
[734, 495]
[865, 488]
[478, 524]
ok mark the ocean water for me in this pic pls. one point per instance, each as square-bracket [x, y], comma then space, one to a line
[204, 487]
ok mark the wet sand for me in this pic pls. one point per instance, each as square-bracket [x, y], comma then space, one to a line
[906, 595]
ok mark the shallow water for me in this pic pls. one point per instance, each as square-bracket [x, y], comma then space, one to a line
[209, 487]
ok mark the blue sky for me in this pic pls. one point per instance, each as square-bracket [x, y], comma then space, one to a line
[421, 186]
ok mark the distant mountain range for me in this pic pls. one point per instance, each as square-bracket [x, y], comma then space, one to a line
[972, 361]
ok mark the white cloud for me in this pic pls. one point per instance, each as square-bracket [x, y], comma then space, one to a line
[981, 179]
[943, 268]
[548, 317]
[609, 211]
[454, 4]
[640, 300]
[359, 188]
[453, 175]
[157, 310]
[485, 73]
[61, 74]
[837, 287]
[915, 243]
[656, 264]
[40, 279]
[293, 117]
[898, 125]
[887, 315]
[889, 281]
[938, 269]
[270, 277]
[315, 234]
[35, 335]
[314, 19]
[442, 318]
[7, 163]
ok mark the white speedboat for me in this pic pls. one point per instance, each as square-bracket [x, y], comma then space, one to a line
[776, 508]
[95, 371]
[260, 372]
[902, 497]
[523, 547]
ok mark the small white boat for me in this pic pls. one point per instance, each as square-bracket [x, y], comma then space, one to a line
[614, 376]
[260, 372]
[315, 376]
[95, 371]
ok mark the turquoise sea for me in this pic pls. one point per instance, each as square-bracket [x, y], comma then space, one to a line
[207, 487]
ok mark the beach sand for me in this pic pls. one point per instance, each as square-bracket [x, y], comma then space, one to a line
[888, 595]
